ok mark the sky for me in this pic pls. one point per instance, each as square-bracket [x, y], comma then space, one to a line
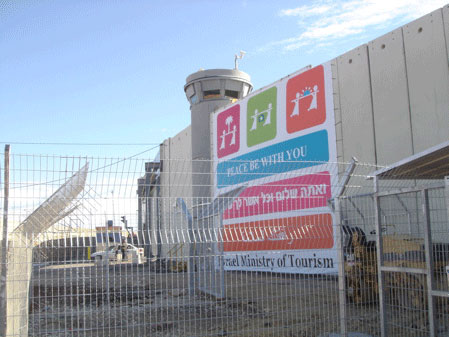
[94, 73]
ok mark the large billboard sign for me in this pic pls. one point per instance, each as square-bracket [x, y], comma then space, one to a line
[280, 143]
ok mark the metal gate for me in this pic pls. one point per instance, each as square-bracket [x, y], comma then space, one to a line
[413, 245]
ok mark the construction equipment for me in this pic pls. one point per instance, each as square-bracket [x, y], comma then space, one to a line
[176, 261]
[404, 289]
[360, 266]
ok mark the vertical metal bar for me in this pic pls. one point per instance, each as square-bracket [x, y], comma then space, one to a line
[192, 257]
[191, 264]
[380, 277]
[3, 300]
[429, 258]
[339, 237]
[210, 259]
[341, 270]
[220, 253]
[446, 194]
[108, 293]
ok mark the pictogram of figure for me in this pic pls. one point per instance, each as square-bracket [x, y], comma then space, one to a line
[313, 104]
[225, 133]
[296, 107]
[306, 92]
[262, 116]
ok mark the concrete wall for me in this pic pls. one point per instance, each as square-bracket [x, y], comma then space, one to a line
[175, 182]
[392, 94]
[175, 156]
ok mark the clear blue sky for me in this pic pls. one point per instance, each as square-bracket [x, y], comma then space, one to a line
[90, 71]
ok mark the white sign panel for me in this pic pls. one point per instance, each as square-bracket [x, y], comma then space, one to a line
[280, 142]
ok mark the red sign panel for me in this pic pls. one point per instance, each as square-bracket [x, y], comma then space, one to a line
[302, 232]
[306, 104]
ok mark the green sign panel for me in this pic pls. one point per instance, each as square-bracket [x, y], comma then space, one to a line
[261, 117]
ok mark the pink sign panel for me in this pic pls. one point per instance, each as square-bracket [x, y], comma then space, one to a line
[307, 191]
[228, 131]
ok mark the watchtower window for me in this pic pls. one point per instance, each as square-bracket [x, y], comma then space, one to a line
[232, 93]
[211, 94]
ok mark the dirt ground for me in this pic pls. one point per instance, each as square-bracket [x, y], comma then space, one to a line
[141, 300]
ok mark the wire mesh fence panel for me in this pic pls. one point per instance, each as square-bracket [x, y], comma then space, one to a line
[132, 247]
[438, 214]
[403, 247]
[438, 200]
[359, 244]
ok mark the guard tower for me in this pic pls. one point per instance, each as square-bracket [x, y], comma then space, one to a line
[207, 91]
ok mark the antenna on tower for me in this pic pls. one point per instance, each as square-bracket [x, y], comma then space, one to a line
[238, 57]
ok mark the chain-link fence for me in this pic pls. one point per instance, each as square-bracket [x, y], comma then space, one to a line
[122, 247]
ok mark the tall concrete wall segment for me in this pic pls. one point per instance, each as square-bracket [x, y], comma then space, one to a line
[175, 156]
[175, 182]
[355, 105]
[428, 80]
[390, 97]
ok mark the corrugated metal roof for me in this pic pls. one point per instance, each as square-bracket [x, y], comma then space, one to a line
[432, 163]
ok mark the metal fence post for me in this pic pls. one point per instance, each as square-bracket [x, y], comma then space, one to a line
[378, 221]
[341, 270]
[446, 194]
[429, 259]
[3, 300]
